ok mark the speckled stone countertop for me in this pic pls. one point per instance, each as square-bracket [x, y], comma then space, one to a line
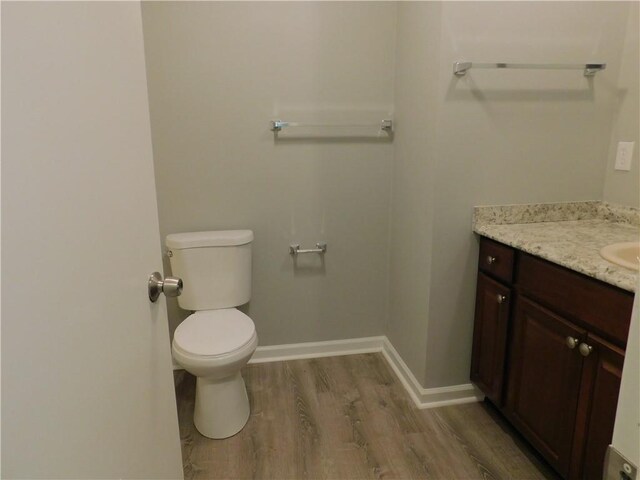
[569, 234]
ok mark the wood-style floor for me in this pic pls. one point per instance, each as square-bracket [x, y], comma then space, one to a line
[350, 418]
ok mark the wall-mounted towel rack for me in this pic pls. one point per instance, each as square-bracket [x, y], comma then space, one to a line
[590, 69]
[278, 125]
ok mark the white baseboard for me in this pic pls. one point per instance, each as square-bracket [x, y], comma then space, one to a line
[331, 348]
[428, 397]
[422, 397]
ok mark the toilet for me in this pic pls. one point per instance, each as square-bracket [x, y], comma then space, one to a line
[216, 340]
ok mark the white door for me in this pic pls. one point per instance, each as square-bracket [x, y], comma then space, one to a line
[87, 389]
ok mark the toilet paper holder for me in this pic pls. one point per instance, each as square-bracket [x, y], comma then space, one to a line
[321, 248]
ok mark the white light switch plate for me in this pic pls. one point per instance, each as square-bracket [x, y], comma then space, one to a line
[624, 156]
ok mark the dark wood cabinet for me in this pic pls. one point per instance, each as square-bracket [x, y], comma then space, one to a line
[544, 381]
[550, 355]
[490, 338]
[497, 260]
[599, 307]
[601, 375]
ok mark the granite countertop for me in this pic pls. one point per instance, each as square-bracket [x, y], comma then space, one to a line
[569, 234]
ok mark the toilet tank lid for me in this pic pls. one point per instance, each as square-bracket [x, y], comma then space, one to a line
[218, 238]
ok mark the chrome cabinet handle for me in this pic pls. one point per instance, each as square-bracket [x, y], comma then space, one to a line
[491, 260]
[170, 286]
[501, 298]
[571, 342]
[585, 349]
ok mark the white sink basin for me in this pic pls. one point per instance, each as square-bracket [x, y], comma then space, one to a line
[625, 254]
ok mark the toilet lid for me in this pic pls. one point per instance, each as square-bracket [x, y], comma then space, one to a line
[214, 332]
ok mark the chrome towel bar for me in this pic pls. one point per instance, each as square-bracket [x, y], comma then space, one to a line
[278, 125]
[294, 249]
[590, 69]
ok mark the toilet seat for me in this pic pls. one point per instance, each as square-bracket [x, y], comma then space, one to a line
[214, 345]
[214, 333]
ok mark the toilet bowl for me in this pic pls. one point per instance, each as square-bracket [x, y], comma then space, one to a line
[216, 340]
[214, 345]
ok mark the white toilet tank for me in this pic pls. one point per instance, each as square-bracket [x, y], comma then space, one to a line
[215, 268]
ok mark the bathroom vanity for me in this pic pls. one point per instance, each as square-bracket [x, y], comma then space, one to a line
[549, 339]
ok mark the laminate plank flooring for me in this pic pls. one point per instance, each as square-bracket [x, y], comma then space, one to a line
[350, 418]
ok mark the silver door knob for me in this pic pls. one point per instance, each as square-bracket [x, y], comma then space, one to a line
[170, 286]
[571, 342]
[501, 298]
[585, 349]
[491, 260]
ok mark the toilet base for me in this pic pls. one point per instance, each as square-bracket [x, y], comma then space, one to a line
[222, 406]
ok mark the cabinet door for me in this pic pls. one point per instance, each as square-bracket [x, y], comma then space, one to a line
[544, 381]
[599, 390]
[490, 337]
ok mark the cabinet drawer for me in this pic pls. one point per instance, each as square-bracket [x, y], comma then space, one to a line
[594, 304]
[496, 259]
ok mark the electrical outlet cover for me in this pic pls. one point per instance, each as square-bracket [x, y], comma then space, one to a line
[624, 154]
[617, 467]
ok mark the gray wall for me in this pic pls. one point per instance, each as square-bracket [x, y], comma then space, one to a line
[218, 73]
[418, 39]
[624, 187]
[500, 137]
[397, 216]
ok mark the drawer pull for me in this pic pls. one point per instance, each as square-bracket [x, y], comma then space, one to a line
[501, 298]
[491, 260]
[571, 342]
[585, 349]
